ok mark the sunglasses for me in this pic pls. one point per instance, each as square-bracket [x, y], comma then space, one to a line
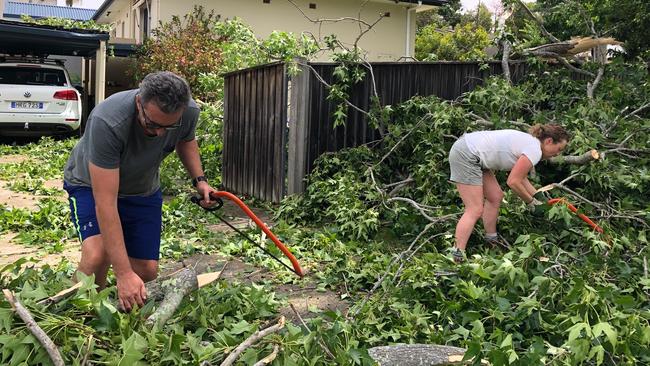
[151, 125]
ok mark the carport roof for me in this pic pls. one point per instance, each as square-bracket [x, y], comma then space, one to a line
[32, 39]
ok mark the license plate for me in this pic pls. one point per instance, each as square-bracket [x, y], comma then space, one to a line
[27, 105]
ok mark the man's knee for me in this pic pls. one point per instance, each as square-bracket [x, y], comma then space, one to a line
[93, 255]
[146, 269]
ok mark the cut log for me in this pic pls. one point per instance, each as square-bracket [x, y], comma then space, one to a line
[583, 159]
[33, 327]
[173, 289]
[169, 290]
[417, 355]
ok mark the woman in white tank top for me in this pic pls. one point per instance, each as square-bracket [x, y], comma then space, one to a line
[475, 156]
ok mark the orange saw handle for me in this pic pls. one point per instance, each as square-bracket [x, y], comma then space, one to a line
[573, 209]
[260, 224]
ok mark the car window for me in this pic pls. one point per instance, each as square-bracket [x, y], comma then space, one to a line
[32, 76]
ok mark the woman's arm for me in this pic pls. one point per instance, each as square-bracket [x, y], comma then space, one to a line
[518, 179]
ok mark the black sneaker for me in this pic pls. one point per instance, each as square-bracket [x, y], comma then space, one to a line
[498, 242]
[458, 255]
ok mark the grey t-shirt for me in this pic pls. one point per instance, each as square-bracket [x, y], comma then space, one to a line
[115, 139]
[500, 149]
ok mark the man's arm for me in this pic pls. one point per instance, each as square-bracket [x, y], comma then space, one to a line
[188, 152]
[105, 185]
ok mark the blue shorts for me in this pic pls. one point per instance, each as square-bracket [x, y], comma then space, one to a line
[140, 216]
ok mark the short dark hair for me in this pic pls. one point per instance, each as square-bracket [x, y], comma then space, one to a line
[169, 91]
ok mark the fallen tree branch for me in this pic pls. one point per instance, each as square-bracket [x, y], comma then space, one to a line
[415, 205]
[591, 87]
[422, 120]
[399, 186]
[268, 359]
[484, 122]
[251, 340]
[563, 61]
[60, 295]
[328, 86]
[172, 291]
[583, 159]
[33, 327]
[637, 111]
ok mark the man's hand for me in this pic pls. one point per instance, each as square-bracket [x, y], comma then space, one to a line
[204, 189]
[536, 208]
[130, 291]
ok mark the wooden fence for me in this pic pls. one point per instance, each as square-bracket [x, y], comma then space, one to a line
[255, 132]
[260, 161]
[312, 131]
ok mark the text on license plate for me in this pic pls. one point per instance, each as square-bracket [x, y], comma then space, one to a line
[27, 105]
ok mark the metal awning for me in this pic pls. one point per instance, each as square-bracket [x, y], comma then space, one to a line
[17, 38]
[32, 39]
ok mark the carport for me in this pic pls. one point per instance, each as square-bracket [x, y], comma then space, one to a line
[17, 38]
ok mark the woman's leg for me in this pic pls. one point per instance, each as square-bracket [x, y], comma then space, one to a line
[472, 197]
[493, 196]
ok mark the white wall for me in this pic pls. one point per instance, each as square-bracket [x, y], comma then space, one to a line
[386, 42]
[86, 4]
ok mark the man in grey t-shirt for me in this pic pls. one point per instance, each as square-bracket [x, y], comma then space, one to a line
[112, 178]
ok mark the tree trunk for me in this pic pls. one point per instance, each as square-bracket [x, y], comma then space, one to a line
[417, 355]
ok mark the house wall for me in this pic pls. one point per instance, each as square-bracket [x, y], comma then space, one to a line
[85, 4]
[386, 42]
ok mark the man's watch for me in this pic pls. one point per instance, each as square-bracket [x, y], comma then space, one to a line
[200, 178]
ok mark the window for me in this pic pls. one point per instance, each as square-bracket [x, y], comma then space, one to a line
[31, 76]
[144, 23]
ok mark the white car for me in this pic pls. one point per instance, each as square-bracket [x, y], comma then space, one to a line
[37, 98]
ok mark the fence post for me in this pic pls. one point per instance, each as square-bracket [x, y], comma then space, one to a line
[299, 108]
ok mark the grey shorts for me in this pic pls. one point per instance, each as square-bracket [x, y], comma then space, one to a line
[465, 166]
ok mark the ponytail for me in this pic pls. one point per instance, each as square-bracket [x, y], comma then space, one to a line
[556, 132]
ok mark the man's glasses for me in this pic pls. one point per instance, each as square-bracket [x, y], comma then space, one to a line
[149, 124]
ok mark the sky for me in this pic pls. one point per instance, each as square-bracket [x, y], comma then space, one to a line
[471, 4]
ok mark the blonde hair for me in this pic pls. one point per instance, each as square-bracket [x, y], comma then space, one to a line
[552, 130]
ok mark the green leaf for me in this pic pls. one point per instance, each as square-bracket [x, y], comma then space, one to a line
[507, 342]
[241, 328]
[609, 331]
[132, 350]
[599, 352]
[576, 330]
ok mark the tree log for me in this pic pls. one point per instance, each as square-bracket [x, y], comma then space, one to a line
[171, 292]
[583, 159]
[33, 327]
[417, 355]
